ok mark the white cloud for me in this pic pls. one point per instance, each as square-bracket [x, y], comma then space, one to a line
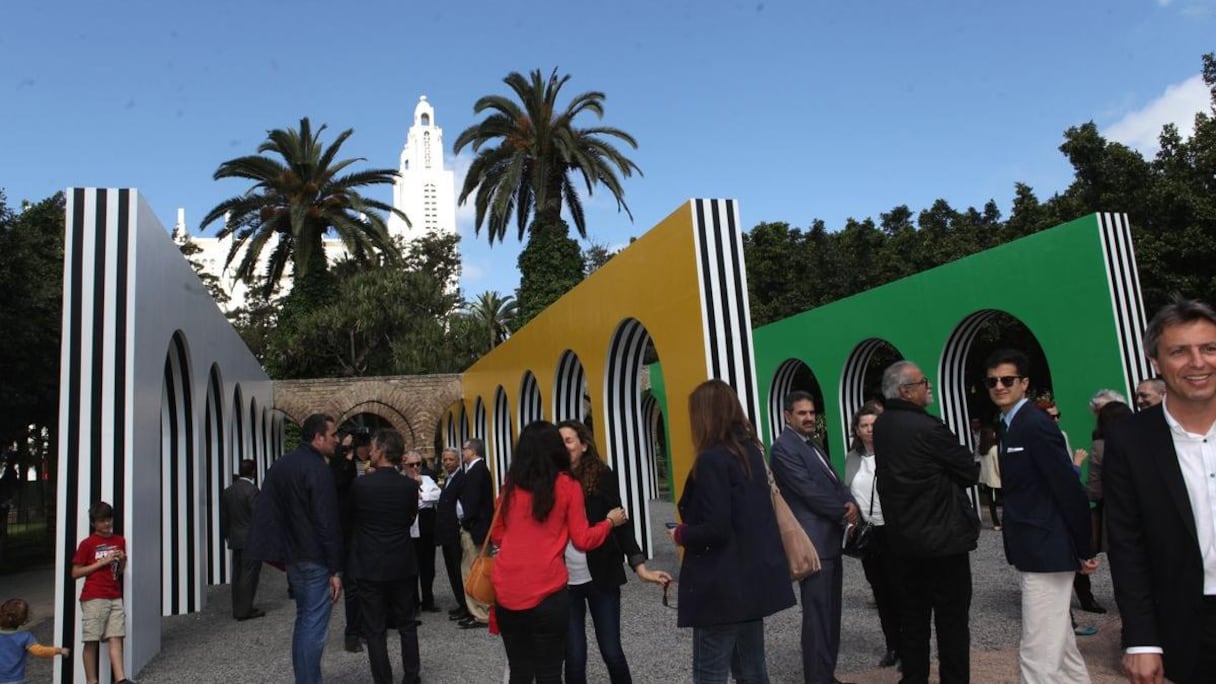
[1178, 105]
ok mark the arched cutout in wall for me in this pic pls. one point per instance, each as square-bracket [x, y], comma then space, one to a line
[388, 417]
[180, 549]
[254, 433]
[463, 427]
[861, 379]
[570, 389]
[529, 400]
[791, 375]
[504, 443]
[655, 426]
[219, 475]
[624, 436]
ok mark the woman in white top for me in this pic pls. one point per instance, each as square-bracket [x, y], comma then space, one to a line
[879, 564]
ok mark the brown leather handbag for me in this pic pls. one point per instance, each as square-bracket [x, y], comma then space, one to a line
[479, 584]
[800, 552]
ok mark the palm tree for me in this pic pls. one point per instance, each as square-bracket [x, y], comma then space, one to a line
[528, 154]
[294, 202]
[495, 314]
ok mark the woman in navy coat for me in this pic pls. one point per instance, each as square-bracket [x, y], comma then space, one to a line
[734, 572]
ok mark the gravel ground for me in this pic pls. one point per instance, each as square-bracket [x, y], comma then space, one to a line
[210, 647]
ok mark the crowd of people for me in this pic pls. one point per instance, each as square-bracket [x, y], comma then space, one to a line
[359, 515]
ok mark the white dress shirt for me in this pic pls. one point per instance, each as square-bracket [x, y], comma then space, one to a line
[863, 485]
[428, 496]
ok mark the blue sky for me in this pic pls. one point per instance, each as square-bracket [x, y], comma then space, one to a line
[800, 110]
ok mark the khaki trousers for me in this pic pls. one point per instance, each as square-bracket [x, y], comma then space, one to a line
[1048, 652]
[469, 551]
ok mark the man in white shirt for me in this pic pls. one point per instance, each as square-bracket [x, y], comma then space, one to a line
[1159, 485]
[423, 530]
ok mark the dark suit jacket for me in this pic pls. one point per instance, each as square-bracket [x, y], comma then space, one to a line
[1155, 562]
[295, 518]
[815, 498]
[922, 471]
[477, 501]
[1046, 519]
[604, 561]
[236, 512]
[447, 526]
[734, 567]
[384, 509]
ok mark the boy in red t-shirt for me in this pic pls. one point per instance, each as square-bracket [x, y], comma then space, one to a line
[100, 560]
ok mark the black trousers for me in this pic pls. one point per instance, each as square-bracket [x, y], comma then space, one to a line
[820, 595]
[451, 563]
[350, 594]
[883, 575]
[381, 604]
[245, 574]
[424, 547]
[535, 639]
[938, 589]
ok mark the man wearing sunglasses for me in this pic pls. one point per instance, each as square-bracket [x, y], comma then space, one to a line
[1046, 522]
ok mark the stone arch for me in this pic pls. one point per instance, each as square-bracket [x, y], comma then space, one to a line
[389, 414]
[503, 438]
[628, 451]
[856, 381]
[181, 551]
[529, 400]
[569, 389]
[792, 374]
[218, 474]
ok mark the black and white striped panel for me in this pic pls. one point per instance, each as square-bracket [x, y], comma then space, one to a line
[95, 363]
[627, 452]
[1123, 279]
[219, 475]
[180, 552]
[951, 385]
[783, 384]
[254, 433]
[529, 401]
[481, 428]
[725, 311]
[503, 443]
[652, 423]
[852, 383]
[463, 427]
[569, 388]
[450, 430]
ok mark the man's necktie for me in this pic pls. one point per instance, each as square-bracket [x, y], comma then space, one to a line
[822, 459]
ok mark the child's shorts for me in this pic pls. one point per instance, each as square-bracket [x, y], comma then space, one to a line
[102, 619]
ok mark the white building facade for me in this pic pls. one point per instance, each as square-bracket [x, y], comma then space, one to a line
[425, 191]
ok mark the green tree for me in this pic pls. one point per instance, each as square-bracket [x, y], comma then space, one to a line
[295, 201]
[495, 314]
[529, 156]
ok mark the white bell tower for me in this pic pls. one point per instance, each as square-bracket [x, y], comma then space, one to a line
[425, 190]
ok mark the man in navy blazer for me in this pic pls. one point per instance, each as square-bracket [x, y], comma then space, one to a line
[447, 529]
[823, 505]
[1046, 523]
[382, 557]
[1160, 509]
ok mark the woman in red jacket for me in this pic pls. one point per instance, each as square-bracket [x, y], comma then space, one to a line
[541, 507]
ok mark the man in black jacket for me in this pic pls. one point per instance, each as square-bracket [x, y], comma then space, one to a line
[923, 471]
[447, 529]
[477, 505]
[382, 557]
[236, 513]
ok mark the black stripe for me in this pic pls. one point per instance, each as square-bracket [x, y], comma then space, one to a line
[97, 368]
[189, 462]
[742, 324]
[125, 228]
[170, 536]
[71, 475]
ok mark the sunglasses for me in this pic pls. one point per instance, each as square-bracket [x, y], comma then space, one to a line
[413, 465]
[1005, 380]
[670, 595]
[1053, 416]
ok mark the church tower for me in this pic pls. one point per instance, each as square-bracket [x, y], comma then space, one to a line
[425, 190]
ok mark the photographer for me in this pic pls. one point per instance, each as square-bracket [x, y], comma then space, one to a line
[348, 462]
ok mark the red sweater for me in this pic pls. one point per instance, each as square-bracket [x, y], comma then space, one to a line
[531, 560]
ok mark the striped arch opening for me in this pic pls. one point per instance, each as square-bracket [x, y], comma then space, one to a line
[852, 380]
[179, 547]
[652, 427]
[529, 400]
[219, 474]
[569, 389]
[254, 434]
[783, 384]
[627, 447]
[503, 442]
[463, 426]
[951, 374]
[481, 428]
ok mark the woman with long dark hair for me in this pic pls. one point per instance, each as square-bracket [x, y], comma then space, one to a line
[540, 509]
[596, 576]
[734, 572]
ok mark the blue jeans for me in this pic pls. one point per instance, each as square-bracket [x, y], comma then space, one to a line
[311, 584]
[720, 651]
[605, 605]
